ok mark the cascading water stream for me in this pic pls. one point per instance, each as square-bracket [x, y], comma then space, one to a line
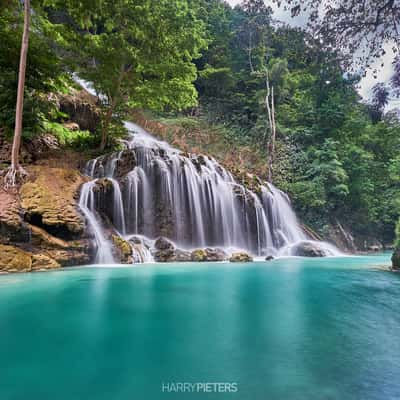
[86, 203]
[154, 190]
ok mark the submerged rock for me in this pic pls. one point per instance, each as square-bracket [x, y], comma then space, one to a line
[240, 257]
[308, 249]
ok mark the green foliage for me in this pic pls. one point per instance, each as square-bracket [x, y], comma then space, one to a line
[44, 73]
[80, 140]
[136, 54]
[342, 157]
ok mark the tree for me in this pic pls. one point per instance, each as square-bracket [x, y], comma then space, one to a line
[136, 54]
[358, 29]
[16, 172]
[380, 96]
[254, 30]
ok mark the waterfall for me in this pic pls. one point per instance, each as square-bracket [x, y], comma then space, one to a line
[87, 205]
[152, 189]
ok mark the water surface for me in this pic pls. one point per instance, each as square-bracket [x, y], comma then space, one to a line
[288, 329]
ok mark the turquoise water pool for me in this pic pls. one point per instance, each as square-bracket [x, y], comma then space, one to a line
[287, 329]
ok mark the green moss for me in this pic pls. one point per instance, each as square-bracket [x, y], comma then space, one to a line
[199, 255]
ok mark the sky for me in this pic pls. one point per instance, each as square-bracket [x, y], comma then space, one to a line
[366, 84]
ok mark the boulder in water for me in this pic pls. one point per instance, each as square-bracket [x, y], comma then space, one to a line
[163, 243]
[209, 254]
[396, 259]
[165, 250]
[309, 249]
[216, 254]
[199, 255]
[167, 255]
[240, 257]
[183, 255]
[123, 250]
[269, 258]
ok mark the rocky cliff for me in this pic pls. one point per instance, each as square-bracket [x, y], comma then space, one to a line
[40, 225]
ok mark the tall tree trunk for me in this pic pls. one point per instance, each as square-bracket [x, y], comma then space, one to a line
[249, 52]
[270, 105]
[16, 172]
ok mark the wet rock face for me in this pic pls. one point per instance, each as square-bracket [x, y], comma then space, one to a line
[41, 227]
[121, 163]
[82, 108]
[49, 201]
[42, 144]
[12, 226]
[309, 249]
[240, 257]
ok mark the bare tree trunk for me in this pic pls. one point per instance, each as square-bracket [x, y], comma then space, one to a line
[270, 104]
[249, 53]
[16, 172]
[273, 139]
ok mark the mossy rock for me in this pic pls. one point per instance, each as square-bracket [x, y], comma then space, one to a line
[199, 255]
[124, 249]
[49, 201]
[13, 259]
[43, 262]
[240, 257]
